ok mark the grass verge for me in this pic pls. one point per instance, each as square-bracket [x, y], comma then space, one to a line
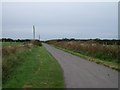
[38, 69]
[112, 65]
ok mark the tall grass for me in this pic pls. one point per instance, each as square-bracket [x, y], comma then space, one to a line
[11, 59]
[30, 66]
[11, 56]
[91, 48]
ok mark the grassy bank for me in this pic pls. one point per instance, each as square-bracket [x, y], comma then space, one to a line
[106, 54]
[112, 65]
[33, 67]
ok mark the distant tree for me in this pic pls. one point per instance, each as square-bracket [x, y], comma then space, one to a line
[72, 39]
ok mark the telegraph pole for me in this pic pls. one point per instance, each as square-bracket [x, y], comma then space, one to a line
[33, 32]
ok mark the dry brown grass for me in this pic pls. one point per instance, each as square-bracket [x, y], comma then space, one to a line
[11, 57]
[91, 48]
[36, 42]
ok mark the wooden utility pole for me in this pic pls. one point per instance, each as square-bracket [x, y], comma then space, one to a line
[33, 32]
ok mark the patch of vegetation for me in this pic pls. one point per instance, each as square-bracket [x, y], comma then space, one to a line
[106, 54]
[36, 42]
[112, 65]
[11, 43]
[12, 56]
[48, 74]
[32, 67]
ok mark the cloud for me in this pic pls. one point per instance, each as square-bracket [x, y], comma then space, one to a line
[57, 20]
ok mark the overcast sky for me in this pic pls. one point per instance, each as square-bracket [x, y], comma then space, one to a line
[60, 20]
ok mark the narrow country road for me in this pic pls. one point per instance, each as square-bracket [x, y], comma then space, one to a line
[81, 73]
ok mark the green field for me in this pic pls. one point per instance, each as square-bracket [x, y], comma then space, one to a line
[35, 68]
[11, 43]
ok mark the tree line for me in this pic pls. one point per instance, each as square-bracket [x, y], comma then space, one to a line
[16, 40]
[104, 41]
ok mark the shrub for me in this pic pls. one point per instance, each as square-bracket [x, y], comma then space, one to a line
[36, 43]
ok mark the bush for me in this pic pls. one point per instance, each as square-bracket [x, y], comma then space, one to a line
[36, 42]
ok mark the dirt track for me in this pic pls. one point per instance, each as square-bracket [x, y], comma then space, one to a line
[81, 73]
